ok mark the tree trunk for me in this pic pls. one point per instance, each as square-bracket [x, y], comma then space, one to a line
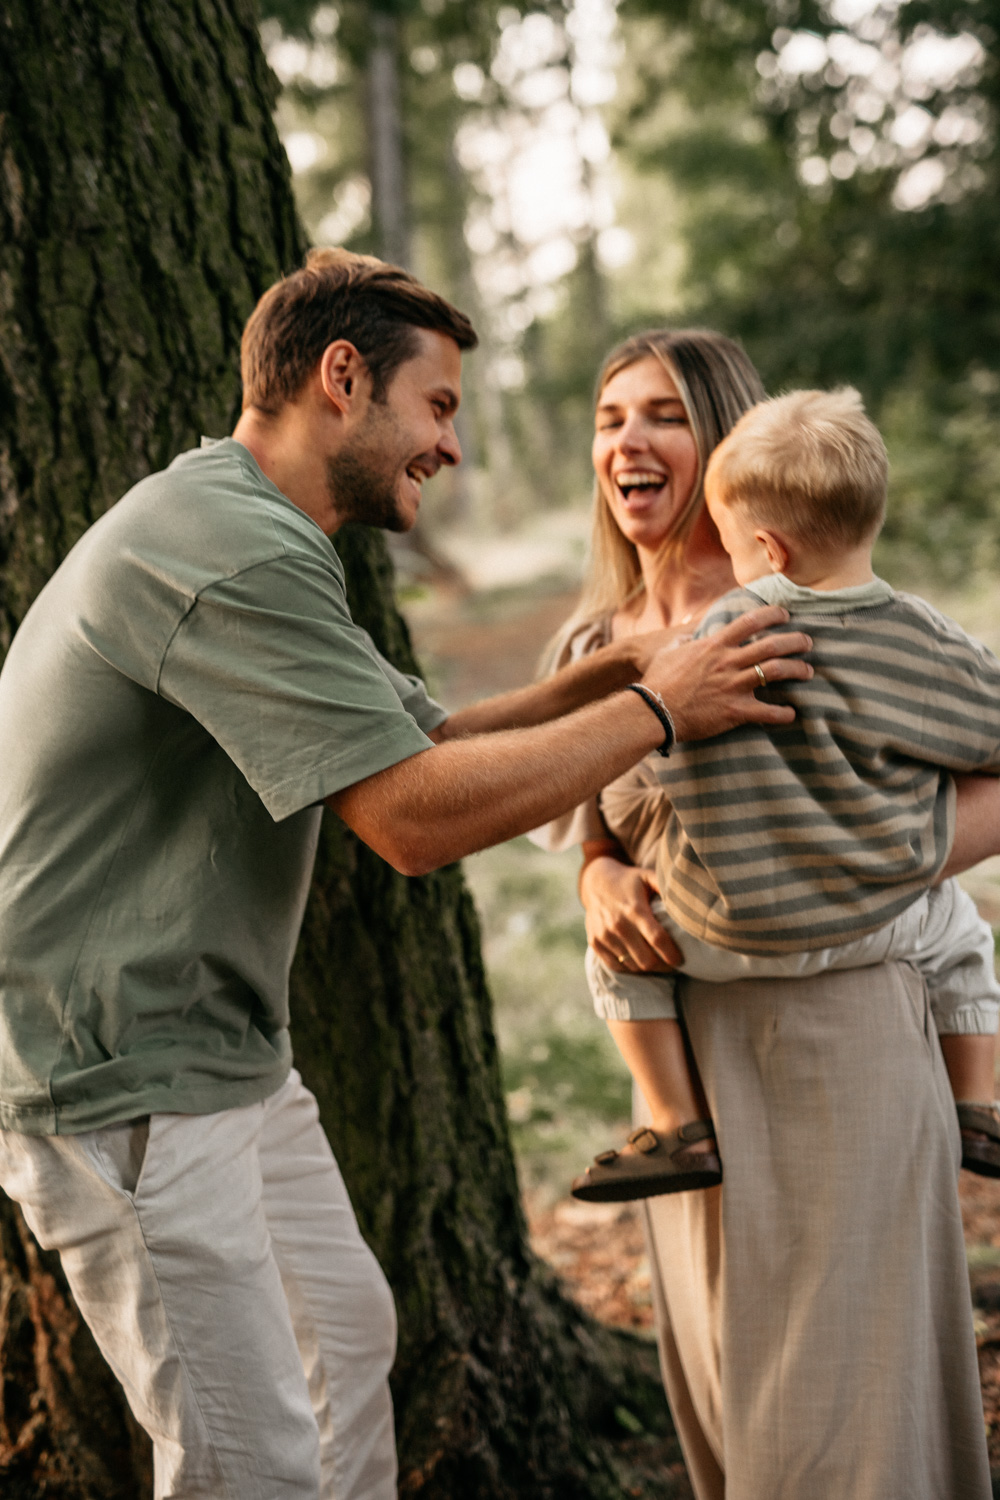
[387, 166]
[146, 204]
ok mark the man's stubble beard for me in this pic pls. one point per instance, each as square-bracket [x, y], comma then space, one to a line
[361, 479]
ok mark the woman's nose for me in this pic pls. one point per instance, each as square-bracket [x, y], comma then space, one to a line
[632, 434]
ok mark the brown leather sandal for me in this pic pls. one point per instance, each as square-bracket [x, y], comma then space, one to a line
[982, 1156]
[657, 1164]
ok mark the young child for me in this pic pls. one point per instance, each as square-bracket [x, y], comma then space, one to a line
[790, 851]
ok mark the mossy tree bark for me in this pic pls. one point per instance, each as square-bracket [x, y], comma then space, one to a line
[145, 205]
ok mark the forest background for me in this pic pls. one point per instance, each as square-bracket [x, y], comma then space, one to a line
[818, 180]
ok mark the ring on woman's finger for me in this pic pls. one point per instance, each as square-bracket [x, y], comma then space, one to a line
[760, 674]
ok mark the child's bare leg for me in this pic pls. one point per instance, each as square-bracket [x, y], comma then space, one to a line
[970, 1061]
[656, 1056]
[676, 1152]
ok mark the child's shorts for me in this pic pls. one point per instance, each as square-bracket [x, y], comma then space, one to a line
[941, 934]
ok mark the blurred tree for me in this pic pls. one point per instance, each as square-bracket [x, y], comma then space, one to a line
[836, 168]
[145, 204]
[456, 83]
[372, 81]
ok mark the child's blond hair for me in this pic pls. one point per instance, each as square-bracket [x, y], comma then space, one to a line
[810, 464]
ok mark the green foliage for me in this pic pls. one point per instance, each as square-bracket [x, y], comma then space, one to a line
[944, 498]
[804, 231]
[568, 1091]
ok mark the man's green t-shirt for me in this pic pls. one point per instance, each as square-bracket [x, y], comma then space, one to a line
[183, 693]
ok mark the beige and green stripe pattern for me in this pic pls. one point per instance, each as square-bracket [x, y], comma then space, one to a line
[808, 835]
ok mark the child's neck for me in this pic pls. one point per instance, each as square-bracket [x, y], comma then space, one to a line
[845, 571]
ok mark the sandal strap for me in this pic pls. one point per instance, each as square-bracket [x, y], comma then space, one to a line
[645, 1139]
[982, 1117]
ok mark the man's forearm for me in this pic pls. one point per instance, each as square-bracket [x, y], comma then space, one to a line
[448, 802]
[461, 796]
[603, 671]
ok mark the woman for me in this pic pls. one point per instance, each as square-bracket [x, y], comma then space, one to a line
[813, 1314]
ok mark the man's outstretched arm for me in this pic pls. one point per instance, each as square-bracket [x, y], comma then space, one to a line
[600, 672]
[466, 794]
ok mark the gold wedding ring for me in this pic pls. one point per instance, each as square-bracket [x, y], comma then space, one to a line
[760, 673]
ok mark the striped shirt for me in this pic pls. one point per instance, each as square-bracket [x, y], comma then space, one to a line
[774, 840]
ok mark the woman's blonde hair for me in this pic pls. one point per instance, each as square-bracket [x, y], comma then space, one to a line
[717, 384]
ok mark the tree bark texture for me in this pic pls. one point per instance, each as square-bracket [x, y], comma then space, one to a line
[146, 204]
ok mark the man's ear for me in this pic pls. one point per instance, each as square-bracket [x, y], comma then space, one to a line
[776, 548]
[344, 377]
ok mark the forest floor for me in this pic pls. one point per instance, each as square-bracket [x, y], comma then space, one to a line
[568, 1094]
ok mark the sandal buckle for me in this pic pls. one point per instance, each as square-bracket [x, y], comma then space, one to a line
[644, 1140]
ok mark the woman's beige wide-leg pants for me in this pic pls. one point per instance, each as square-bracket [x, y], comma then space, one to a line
[814, 1313]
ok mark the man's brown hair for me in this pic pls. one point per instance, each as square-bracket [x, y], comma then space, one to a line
[810, 463]
[338, 295]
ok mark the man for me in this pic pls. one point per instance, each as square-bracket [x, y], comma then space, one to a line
[181, 699]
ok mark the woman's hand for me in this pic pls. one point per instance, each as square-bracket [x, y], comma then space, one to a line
[621, 927]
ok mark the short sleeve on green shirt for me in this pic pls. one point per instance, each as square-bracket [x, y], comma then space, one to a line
[271, 664]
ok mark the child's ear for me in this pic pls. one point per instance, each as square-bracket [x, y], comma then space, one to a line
[777, 552]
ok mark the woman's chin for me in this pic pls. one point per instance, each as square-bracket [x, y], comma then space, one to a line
[645, 523]
[646, 533]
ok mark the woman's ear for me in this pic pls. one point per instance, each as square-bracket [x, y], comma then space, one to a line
[775, 548]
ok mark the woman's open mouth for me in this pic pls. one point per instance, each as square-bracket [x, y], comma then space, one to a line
[637, 484]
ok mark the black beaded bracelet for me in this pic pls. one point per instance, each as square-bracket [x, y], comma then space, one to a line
[662, 712]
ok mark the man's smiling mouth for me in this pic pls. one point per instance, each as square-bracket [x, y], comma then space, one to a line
[421, 469]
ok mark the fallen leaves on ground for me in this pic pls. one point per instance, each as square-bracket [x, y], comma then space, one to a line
[599, 1252]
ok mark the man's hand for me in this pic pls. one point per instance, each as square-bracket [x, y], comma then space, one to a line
[709, 685]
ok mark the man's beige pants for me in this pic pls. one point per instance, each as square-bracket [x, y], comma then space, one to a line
[219, 1263]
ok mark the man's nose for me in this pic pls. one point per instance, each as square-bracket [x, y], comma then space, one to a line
[449, 449]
